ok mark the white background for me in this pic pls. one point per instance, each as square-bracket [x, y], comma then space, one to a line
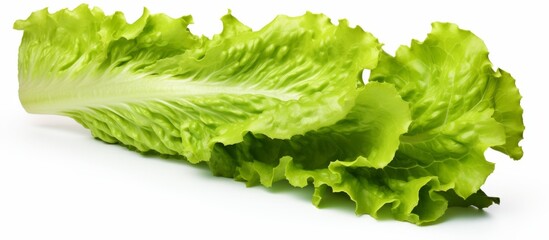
[57, 182]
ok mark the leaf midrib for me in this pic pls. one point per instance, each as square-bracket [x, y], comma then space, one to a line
[73, 95]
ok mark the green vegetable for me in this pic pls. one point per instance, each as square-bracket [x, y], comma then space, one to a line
[286, 102]
[154, 86]
[460, 107]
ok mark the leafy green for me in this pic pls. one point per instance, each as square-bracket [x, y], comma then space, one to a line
[460, 107]
[154, 86]
[284, 103]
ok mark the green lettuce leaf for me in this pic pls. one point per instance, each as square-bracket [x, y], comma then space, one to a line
[460, 107]
[284, 103]
[154, 86]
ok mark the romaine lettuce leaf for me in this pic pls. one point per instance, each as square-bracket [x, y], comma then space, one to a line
[460, 107]
[286, 102]
[154, 86]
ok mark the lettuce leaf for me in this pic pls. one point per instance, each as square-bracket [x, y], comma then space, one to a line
[460, 107]
[284, 103]
[154, 86]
